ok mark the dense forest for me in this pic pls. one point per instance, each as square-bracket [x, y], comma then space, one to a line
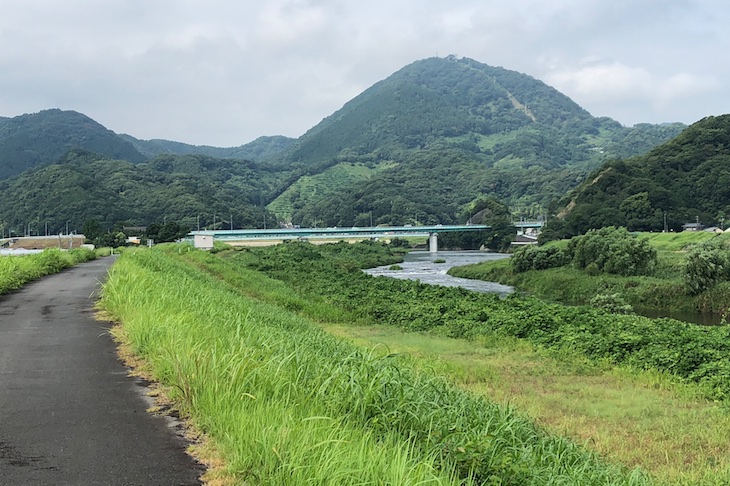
[685, 180]
[83, 186]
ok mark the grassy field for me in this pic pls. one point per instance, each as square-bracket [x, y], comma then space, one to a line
[287, 403]
[18, 270]
[633, 418]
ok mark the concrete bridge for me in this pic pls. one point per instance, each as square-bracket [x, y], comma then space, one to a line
[204, 239]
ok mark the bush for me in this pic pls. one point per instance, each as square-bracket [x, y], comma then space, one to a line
[613, 250]
[707, 263]
[613, 303]
[537, 258]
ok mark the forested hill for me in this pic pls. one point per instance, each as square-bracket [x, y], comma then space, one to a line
[31, 140]
[687, 178]
[83, 186]
[260, 150]
[497, 132]
[37, 139]
[449, 102]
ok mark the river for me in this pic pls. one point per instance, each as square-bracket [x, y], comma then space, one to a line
[419, 265]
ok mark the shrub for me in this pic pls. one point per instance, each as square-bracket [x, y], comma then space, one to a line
[537, 258]
[707, 263]
[613, 303]
[613, 250]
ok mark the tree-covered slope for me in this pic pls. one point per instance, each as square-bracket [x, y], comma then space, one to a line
[83, 186]
[37, 139]
[261, 149]
[687, 178]
[486, 131]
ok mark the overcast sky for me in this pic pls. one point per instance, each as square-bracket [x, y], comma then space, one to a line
[223, 72]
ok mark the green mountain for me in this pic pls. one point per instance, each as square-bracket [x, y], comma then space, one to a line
[260, 150]
[687, 179]
[37, 139]
[440, 133]
[82, 186]
[422, 146]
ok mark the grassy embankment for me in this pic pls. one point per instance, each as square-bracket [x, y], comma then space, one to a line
[18, 270]
[287, 403]
[638, 418]
[664, 290]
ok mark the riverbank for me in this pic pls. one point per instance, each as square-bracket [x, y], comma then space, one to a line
[284, 402]
[576, 372]
[663, 294]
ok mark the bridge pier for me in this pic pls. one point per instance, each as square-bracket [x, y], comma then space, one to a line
[433, 242]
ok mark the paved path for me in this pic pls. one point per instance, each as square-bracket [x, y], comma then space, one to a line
[69, 414]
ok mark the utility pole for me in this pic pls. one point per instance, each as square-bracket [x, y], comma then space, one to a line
[231, 221]
[666, 230]
[198, 222]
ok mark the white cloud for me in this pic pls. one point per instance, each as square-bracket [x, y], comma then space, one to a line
[606, 82]
[614, 86]
[221, 72]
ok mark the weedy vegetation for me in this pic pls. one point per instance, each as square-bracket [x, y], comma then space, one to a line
[18, 270]
[245, 358]
[676, 272]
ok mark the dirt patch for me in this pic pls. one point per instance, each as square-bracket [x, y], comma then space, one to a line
[65, 242]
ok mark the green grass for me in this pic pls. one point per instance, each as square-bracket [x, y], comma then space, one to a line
[288, 403]
[635, 418]
[15, 271]
[678, 241]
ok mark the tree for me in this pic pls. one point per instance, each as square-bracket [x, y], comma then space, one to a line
[91, 229]
[612, 250]
[707, 263]
[167, 232]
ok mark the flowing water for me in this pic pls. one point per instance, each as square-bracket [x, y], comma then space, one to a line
[419, 265]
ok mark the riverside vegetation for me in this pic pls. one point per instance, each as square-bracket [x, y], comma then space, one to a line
[18, 270]
[237, 338]
[686, 272]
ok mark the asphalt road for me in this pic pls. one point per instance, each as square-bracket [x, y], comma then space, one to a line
[69, 414]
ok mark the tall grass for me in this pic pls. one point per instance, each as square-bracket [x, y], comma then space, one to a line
[289, 404]
[18, 270]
